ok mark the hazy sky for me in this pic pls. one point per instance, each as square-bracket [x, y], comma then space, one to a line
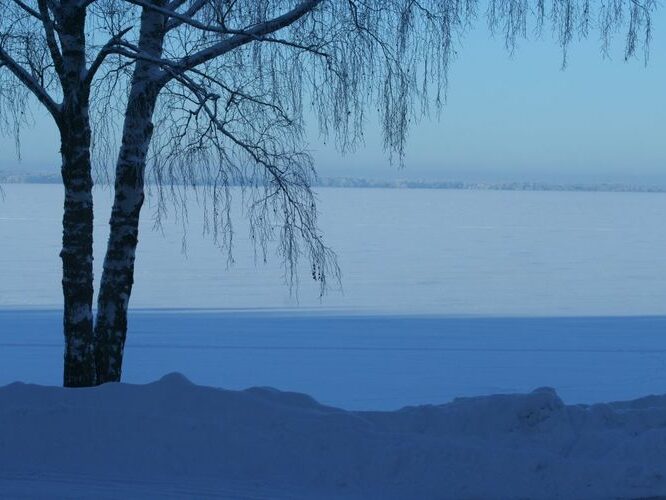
[507, 118]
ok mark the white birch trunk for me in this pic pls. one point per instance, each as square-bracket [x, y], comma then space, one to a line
[77, 237]
[77, 260]
[118, 273]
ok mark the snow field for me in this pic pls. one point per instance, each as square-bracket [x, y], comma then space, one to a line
[174, 438]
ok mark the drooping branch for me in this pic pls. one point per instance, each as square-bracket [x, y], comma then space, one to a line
[571, 18]
[251, 128]
[30, 83]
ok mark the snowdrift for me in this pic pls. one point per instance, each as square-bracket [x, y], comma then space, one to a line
[174, 438]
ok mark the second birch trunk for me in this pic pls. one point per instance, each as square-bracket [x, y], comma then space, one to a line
[118, 274]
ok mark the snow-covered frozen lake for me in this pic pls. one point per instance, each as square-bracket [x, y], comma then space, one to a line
[446, 293]
[401, 252]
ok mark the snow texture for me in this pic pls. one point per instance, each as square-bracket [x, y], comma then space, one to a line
[175, 439]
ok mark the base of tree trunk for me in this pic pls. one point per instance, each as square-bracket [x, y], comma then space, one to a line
[108, 362]
[79, 372]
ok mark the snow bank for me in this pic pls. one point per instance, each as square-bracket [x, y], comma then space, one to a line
[174, 438]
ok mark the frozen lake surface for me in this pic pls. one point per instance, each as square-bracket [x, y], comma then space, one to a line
[401, 252]
[446, 293]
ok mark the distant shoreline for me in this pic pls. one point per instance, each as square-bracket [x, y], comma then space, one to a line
[355, 182]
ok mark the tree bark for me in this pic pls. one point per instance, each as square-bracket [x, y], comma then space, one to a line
[118, 273]
[77, 238]
[77, 258]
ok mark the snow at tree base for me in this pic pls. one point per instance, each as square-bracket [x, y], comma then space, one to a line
[172, 438]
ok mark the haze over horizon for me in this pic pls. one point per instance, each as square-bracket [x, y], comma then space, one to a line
[508, 118]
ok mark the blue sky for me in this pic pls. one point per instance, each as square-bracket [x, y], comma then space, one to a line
[508, 117]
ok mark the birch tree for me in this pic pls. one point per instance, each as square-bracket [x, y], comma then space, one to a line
[213, 93]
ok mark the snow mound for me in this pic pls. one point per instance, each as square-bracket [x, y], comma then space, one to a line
[175, 438]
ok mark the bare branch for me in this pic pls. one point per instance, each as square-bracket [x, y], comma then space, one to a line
[186, 18]
[188, 14]
[28, 9]
[249, 35]
[49, 31]
[104, 52]
[31, 83]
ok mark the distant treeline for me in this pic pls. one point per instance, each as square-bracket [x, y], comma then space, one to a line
[356, 182]
[487, 186]
[14, 178]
